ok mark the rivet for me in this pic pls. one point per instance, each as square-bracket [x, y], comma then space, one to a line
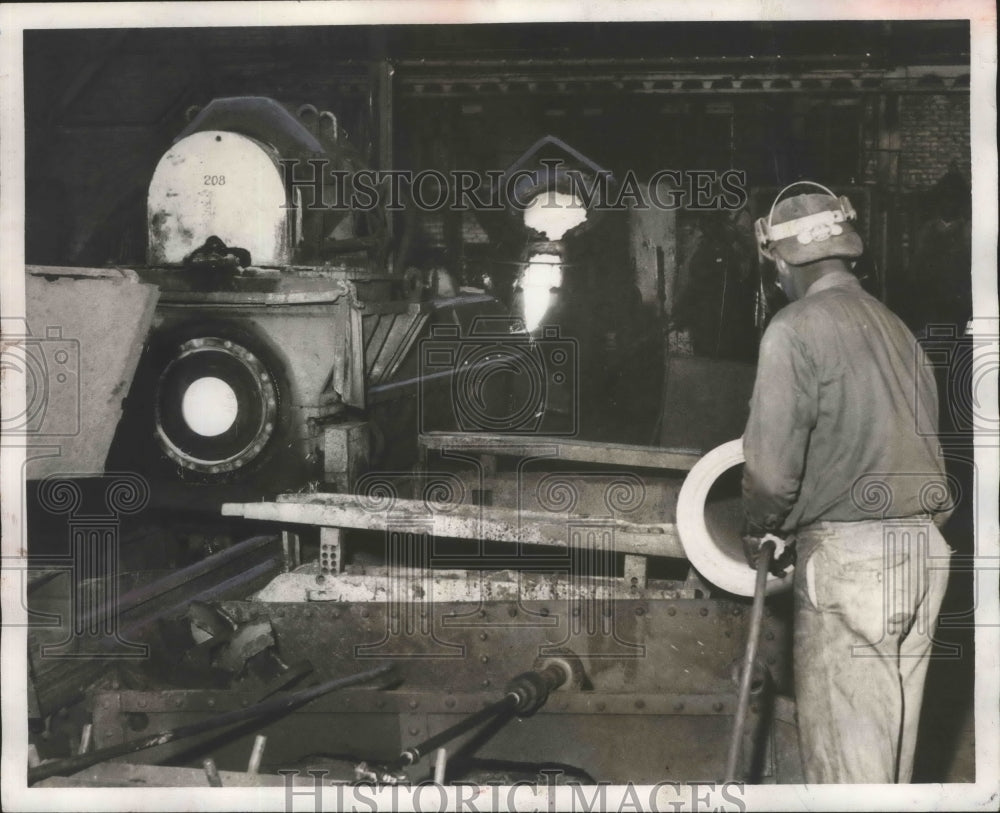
[178, 701]
[512, 611]
[678, 706]
[106, 704]
[737, 611]
[414, 731]
[413, 704]
[244, 702]
[769, 635]
[483, 636]
[484, 658]
[601, 706]
[671, 611]
[449, 702]
[211, 702]
[486, 683]
[335, 614]
[576, 612]
[544, 611]
[703, 611]
[142, 702]
[640, 704]
[640, 611]
[717, 706]
[482, 613]
[365, 613]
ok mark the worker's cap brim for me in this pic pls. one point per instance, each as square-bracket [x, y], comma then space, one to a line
[846, 244]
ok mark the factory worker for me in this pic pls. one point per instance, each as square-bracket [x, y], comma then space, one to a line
[837, 461]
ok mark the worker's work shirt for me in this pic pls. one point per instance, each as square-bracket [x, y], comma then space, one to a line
[842, 393]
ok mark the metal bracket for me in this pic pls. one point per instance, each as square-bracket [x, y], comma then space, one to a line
[330, 558]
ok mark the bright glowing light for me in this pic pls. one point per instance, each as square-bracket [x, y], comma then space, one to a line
[209, 406]
[554, 213]
[542, 275]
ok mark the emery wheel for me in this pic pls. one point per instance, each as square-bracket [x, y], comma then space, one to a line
[719, 560]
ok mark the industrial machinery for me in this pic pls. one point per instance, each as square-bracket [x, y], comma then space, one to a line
[281, 340]
[522, 597]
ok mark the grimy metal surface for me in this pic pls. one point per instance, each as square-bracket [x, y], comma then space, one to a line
[657, 701]
[642, 645]
[75, 379]
[311, 582]
[618, 738]
[462, 522]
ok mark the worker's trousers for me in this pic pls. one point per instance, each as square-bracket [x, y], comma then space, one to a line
[867, 597]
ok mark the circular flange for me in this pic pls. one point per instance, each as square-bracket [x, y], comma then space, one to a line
[718, 562]
[187, 427]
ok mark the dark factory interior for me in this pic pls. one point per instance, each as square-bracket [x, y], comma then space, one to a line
[248, 569]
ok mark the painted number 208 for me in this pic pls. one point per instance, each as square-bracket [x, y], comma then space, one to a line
[215, 180]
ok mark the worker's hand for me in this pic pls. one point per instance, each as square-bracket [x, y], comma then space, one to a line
[782, 558]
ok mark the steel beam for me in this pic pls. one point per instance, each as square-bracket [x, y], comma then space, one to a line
[462, 521]
[571, 449]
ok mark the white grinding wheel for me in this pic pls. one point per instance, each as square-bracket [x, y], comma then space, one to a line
[720, 564]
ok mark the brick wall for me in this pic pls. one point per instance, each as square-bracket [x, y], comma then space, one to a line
[934, 132]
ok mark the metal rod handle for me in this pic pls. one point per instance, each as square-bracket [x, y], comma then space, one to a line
[750, 658]
[414, 753]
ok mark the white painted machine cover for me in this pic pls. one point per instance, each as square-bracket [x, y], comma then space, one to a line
[222, 184]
